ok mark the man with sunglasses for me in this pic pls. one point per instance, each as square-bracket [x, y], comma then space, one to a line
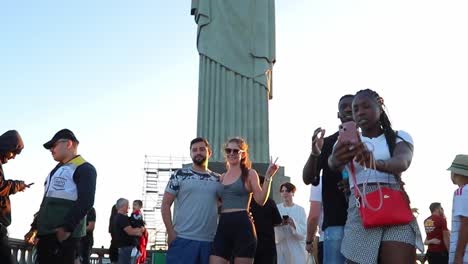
[69, 195]
[194, 190]
[11, 145]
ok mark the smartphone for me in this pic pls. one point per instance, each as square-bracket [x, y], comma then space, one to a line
[348, 132]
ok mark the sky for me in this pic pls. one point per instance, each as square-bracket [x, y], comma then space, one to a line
[124, 76]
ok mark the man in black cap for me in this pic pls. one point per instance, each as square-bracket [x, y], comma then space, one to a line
[69, 195]
[11, 145]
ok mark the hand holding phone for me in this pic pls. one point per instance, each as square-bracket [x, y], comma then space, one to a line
[285, 219]
[348, 132]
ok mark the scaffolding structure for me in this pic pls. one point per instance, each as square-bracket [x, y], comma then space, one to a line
[158, 170]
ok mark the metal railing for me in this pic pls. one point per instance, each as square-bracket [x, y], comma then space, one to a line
[23, 253]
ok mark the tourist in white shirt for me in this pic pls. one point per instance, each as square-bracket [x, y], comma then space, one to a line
[290, 235]
[458, 249]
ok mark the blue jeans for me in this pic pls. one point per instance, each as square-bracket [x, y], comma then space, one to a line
[185, 251]
[125, 255]
[333, 235]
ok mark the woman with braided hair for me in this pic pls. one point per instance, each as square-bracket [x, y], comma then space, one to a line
[392, 152]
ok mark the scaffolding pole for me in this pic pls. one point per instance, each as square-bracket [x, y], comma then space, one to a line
[158, 170]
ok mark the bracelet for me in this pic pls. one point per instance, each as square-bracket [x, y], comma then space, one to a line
[315, 155]
[382, 163]
[308, 242]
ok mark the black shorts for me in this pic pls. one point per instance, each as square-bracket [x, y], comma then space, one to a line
[235, 236]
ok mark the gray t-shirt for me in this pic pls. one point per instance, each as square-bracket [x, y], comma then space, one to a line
[195, 207]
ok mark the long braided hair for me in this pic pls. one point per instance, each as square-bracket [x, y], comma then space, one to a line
[390, 134]
[386, 125]
[245, 163]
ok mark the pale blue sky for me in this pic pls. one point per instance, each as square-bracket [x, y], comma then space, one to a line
[124, 75]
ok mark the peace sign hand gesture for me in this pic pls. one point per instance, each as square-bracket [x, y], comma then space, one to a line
[272, 168]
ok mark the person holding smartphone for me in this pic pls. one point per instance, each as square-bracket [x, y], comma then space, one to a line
[392, 151]
[291, 234]
[11, 145]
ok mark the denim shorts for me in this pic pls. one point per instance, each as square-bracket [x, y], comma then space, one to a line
[186, 251]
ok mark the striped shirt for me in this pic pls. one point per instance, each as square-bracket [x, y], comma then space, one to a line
[460, 208]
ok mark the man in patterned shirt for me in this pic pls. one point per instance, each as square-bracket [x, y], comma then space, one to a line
[194, 190]
[458, 249]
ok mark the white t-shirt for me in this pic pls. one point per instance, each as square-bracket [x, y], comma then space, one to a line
[316, 196]
[316, 192]
[379, 148]
[460, 208]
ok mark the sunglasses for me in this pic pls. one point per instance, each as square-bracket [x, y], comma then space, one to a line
[57, 142]
[282, 191]
[233, 151]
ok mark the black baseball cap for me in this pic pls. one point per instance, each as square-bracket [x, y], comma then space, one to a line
[62, 134]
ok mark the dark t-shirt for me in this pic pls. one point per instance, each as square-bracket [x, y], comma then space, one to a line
[265, 218]
[122, 239]
[136, 219]
[334, 201]
[435, 226]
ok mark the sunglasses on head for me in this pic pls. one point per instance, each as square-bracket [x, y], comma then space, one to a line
[233, 151]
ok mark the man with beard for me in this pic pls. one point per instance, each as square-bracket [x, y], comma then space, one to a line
[333, 198]
[11, 145]
[194, 190]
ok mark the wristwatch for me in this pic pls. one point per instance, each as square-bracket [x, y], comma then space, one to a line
[308, 242]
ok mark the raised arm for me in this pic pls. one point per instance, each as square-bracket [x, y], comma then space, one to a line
[399, 162]
[260, 193]
[311, 170]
